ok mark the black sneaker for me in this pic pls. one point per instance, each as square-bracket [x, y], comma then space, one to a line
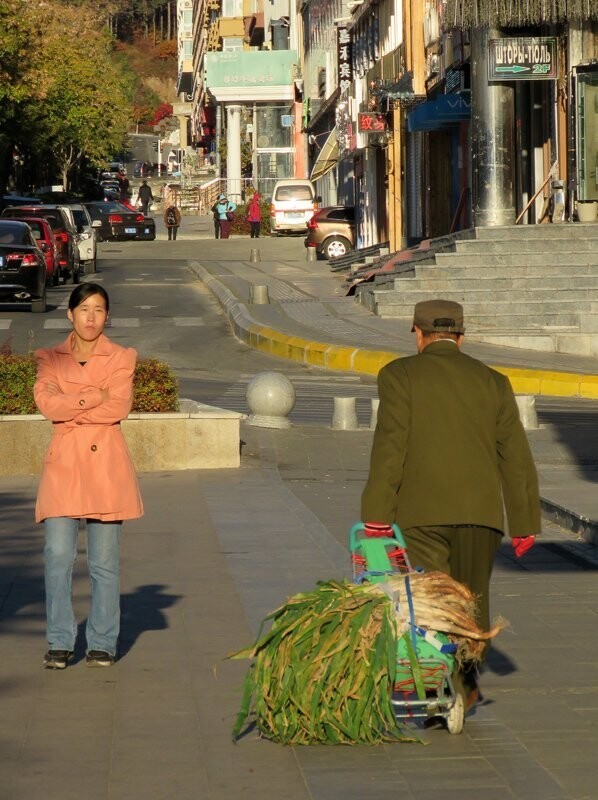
[57, 659]
[99, 658]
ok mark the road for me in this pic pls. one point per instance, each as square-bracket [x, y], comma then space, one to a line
[160, 308]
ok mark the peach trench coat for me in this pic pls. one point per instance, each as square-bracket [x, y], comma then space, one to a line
[88, 470]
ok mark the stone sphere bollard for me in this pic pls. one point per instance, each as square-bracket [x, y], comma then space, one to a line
[270, 397]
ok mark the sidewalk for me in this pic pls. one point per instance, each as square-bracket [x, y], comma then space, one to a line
[214, 553]
[310, 320]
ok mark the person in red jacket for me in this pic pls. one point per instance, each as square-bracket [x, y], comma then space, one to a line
[254, 216]
[84, 386]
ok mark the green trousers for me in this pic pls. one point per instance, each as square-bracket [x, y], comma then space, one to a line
[465, 553]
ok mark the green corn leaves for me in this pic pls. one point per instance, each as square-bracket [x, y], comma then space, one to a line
[323, 672]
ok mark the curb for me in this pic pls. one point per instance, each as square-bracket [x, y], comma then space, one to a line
[345, 358]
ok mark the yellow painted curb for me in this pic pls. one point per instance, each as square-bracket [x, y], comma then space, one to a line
[340, 358]
[369, 362]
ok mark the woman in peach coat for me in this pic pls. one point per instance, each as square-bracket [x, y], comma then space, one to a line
[85, 387]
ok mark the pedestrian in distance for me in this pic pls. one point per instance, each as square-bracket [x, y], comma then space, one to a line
[84, 386]
[254, 216]
[449, 449]
[123, 183]
[172, 220]
[225, 209]
[145, 196]
[216, 216]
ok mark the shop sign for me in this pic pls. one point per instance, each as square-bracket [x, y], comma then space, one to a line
[522, 58]
[371, 122]
[344, 58]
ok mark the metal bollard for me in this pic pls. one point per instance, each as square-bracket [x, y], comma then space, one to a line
[344, 417]
[258, 295]
[374, 415]
[311, 254]
[254, 256]
[526, 403]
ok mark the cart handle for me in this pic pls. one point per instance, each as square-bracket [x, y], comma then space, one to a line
[360, 526]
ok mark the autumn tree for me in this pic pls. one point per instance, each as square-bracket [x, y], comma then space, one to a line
[84, 107]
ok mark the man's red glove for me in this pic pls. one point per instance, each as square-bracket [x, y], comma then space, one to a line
[521, 544]
[378, 529]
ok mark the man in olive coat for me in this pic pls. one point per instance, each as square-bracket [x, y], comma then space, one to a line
[449, 450]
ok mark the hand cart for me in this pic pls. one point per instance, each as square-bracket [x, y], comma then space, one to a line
[423, 687]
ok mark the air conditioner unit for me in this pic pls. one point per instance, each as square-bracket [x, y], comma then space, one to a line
[187, 4]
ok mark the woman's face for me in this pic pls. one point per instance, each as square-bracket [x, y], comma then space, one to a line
[89, 317]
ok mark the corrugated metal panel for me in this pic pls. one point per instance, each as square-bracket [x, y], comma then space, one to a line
[414, 184]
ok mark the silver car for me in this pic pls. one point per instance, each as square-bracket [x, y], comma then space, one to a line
[86, 238]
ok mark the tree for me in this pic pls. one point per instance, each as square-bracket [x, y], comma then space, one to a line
[85, 109]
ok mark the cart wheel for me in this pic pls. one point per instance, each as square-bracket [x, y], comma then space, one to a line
[455, 716]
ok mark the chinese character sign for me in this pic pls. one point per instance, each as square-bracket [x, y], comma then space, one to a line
[344, 58]
[371, 122]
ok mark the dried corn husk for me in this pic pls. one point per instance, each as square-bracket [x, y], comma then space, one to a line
[440, 603]
[325, 670]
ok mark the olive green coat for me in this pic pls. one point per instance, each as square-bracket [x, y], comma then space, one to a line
[449, 447]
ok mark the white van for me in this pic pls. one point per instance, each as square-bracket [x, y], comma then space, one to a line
[294, 203]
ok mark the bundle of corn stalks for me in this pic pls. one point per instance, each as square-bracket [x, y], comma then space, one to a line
[325, 671]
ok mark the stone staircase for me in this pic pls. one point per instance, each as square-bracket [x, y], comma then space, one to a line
[534, 287]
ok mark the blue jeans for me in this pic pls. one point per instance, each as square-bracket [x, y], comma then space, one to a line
[60, 552]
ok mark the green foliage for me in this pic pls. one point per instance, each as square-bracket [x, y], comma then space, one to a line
[17, 376]
[324, 672]
[242, 227]
[155, 387]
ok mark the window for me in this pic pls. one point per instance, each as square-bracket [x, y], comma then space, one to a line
[231, 43]
[232, 8]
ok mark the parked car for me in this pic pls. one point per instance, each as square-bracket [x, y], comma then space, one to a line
[113, 221]
[118, 167]
[143, 169]
[64, 230]
[86, 237]
[331, 231]
[44, 237]
[23, 274]
[293, 204]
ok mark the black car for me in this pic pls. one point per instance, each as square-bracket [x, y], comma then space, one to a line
[64, 231]
[143, 169]
[113, 221]
[23, 272]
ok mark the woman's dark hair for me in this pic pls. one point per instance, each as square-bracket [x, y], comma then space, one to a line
[85, 290]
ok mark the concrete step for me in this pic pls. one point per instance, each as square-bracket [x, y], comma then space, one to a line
[563, 230]
[546, 258]
[477, 320]
[527, 245]
[541, 299]
[471, 286]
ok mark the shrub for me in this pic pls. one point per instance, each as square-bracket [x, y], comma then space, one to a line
[155, 387]
[17, 376]
[240, 225]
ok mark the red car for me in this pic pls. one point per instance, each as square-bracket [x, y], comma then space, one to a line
[44, 236]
